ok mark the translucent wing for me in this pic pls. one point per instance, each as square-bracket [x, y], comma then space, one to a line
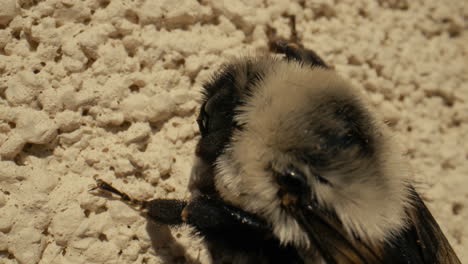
[422, 242]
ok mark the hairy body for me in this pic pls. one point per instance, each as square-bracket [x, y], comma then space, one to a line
[293, 166]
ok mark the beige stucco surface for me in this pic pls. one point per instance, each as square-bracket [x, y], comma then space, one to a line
[110, 89]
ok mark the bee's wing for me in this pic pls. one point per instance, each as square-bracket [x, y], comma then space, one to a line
[423, 241]
[333, 243]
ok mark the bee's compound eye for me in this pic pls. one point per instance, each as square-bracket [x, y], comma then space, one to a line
[293, 181]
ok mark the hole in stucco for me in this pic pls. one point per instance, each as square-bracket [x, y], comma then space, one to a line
[58, 56]
[180, 62]
[86, 21]
[457, 208]
[363, 13]
[39, 105]
[16, 33]
[143, 146]
[143, 65]
[26, 4]
[91, 55]
[130, 49]
[101, 210]
[104, 3]
[102, 237]
[33, 44]
[46, 231]
[132, 17]
[5, 254]
[19, 160]
[447, 165]
[134, 88]
[455, 123]
[165, 176]
[394, 4]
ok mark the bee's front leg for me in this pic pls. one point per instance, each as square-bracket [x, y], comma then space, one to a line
[208, 215]
[217, 221]
[223, 224]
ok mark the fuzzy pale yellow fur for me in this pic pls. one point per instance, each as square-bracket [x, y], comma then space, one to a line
[370, 202]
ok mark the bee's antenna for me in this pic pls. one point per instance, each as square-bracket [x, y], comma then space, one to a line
[104, 186]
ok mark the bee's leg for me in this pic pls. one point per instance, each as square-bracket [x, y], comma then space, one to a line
[207, 215]
[217, 221]
[292, 48]
[102, 185]
[162, 211]
[228, 226]
[212, 215]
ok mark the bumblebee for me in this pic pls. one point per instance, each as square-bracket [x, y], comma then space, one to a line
[294, 166]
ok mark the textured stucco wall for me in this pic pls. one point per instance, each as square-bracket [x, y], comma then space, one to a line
[109, 89]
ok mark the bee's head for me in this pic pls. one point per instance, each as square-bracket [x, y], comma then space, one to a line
[300, 138]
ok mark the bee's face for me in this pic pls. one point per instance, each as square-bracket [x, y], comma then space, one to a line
[303, 137]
